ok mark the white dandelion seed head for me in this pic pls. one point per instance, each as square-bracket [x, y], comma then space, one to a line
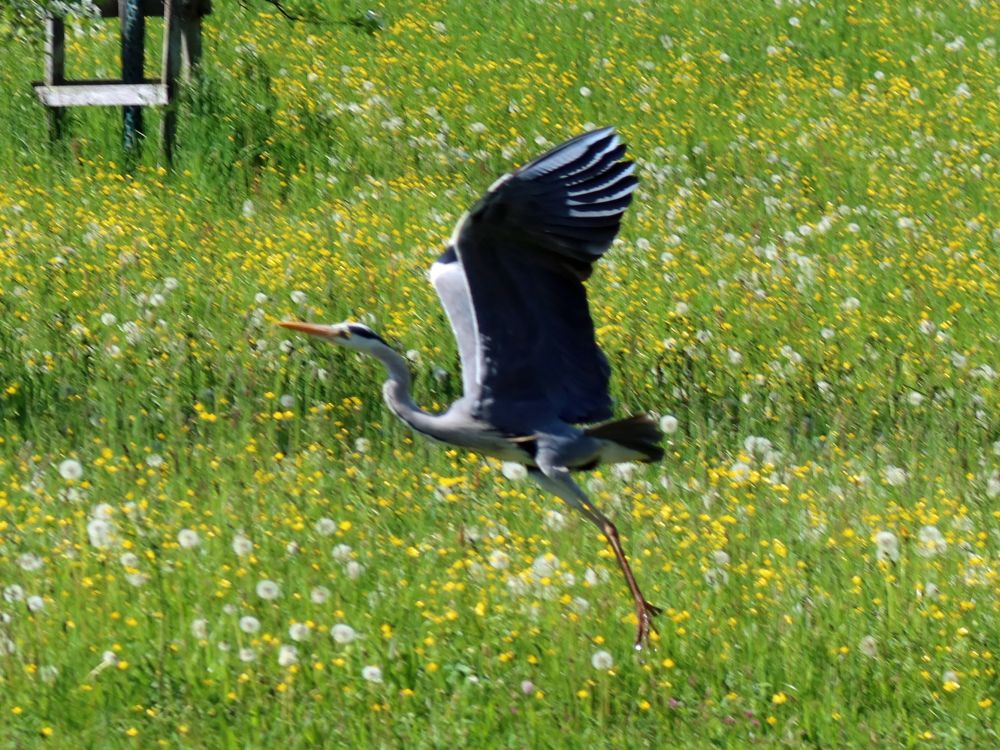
[669, 424]
[319, 595]
[325, 526]
[188, 538]
[545, 566]
[199, 628]
[514, 471]
[930, 541]
[287, 656]
[109, 658]
[268, 590]
[242, 546]
[868, 646]
[887, 546]
[362, 445]
[71, 470]
[372, 674]
[895, 475]
[249, 624]
[354, 570]
[499, 560]
[100, 533]
[13, 593]
[342, 633]
[720, 557]
[298, 296]
[108, 319]
[993, 487]
[29, 562]
[341, 553]
[154, 460]
[602, 660]
[247, 655]
[554, 520]
[624, 471]
[299, 631]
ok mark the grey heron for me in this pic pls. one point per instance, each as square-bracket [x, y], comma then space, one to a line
[511, 283]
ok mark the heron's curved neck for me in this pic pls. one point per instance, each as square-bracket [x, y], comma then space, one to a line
[396, 392]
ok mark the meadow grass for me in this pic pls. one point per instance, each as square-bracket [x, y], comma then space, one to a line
[805, 291]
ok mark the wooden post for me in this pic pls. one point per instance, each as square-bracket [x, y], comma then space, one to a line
[171, 67]
[55, 68]
[133, 25]
[190, 15]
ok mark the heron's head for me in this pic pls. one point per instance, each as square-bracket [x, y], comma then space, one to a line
[352, 335]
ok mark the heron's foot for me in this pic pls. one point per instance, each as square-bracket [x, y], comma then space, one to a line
[645, 612]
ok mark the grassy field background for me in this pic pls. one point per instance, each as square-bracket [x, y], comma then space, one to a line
[213, 535]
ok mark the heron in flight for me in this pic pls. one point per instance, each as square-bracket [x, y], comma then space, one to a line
[511, 283]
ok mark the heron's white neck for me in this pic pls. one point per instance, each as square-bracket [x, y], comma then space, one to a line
[396, 392]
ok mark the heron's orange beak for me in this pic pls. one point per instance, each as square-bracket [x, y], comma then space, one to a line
[311, 328]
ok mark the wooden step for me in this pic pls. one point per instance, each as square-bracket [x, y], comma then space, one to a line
[102, 93]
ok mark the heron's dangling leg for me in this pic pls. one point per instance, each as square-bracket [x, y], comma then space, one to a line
[557, 480]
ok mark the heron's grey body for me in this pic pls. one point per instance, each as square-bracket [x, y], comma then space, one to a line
[511, 283]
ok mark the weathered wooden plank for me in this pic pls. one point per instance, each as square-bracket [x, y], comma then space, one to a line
[102, 93]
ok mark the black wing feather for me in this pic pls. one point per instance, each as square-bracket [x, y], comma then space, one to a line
[526, 247]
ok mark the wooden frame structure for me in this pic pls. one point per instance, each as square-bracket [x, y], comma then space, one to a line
[181, 53]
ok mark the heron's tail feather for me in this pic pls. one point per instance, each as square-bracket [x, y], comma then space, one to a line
[639, 433]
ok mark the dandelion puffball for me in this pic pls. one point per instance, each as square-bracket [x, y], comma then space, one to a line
[602, 660]
[71, 470]
[342, 633]
[268, 590]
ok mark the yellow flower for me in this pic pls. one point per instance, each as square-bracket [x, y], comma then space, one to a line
[779, 698]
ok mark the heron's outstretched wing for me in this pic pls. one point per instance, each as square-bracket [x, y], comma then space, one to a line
[525, 249]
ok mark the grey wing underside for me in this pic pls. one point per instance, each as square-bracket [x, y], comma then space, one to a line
[511, 283]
